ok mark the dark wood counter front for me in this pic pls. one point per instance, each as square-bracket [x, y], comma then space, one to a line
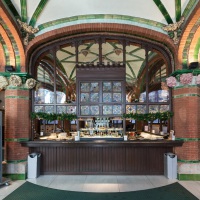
[102, 157]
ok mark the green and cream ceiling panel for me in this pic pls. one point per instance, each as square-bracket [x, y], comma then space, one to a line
[111, 52]
[69, 8]
[53, 14]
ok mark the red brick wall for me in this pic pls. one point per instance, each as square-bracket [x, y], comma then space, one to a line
[16, 35]
[17, 122]
[186, 121]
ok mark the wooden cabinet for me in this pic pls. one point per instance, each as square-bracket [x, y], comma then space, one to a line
[101, 96]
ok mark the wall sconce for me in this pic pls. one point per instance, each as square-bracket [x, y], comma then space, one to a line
[193, 65]
[9, 68]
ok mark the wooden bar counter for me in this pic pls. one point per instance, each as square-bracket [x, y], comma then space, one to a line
[102, 157]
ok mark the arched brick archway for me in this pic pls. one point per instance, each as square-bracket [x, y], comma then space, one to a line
[48, 38]
[11, 35]
[188, 39]
[192, 46]
[8, 44]
[2, 58]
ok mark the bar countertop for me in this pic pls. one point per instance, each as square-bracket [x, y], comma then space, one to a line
[72, 143]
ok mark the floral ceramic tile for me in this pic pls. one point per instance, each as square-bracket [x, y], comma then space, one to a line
[164, 108]
[49, 109]
[94, 110]
[153, 108]
[141, 109]
[94, 97]
[117, 97]
[85, 110]
[85, 87]
[85, 97]
[130, 109]
[117, 86]
[61, 109]
[107, 97]
[94, 87]
[107, 87]
[39, 108]
[117, 109]
[71, 109]
[107, 110]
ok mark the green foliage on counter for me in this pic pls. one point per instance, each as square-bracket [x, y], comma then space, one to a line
[149, 116]
[53, 116]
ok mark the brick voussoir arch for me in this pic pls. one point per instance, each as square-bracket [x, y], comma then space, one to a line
[193, 45]
[2, 58]
[9, 46]
[194, 17]
[15, 34]
[109, 28]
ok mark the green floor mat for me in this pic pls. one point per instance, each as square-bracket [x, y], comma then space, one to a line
[29, 191]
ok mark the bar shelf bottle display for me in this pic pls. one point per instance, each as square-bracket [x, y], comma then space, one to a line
[101, 128]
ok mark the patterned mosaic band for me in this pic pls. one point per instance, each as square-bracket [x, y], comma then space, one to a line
[16, 139]
[188, 161]
[185, 86]
[17, 97]
[16, 176]
[189, 139]
[194, 177]
[16, 161]
[16, 88]
[185, 95]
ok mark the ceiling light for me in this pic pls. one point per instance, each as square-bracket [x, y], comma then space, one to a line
[85, 52]
[118, 51]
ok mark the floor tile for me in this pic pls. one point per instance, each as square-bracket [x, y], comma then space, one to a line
[42, 180]
[71, 182]
[101, 179]
[100, 187]
[133, 183]
[192, 186]
[159, 181]
[101, 183]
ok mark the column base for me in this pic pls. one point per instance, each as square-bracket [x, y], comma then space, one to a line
[15, 171]
[189, 171]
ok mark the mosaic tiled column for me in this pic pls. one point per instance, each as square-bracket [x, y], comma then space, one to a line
[17, 128]
[186, 122]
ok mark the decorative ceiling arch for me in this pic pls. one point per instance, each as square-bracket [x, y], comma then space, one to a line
[188, 39]
[36, 13]
[67, 58]
[8, 48]
[3, 56]
[100, 18]
[12, 40]
[194, 48]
